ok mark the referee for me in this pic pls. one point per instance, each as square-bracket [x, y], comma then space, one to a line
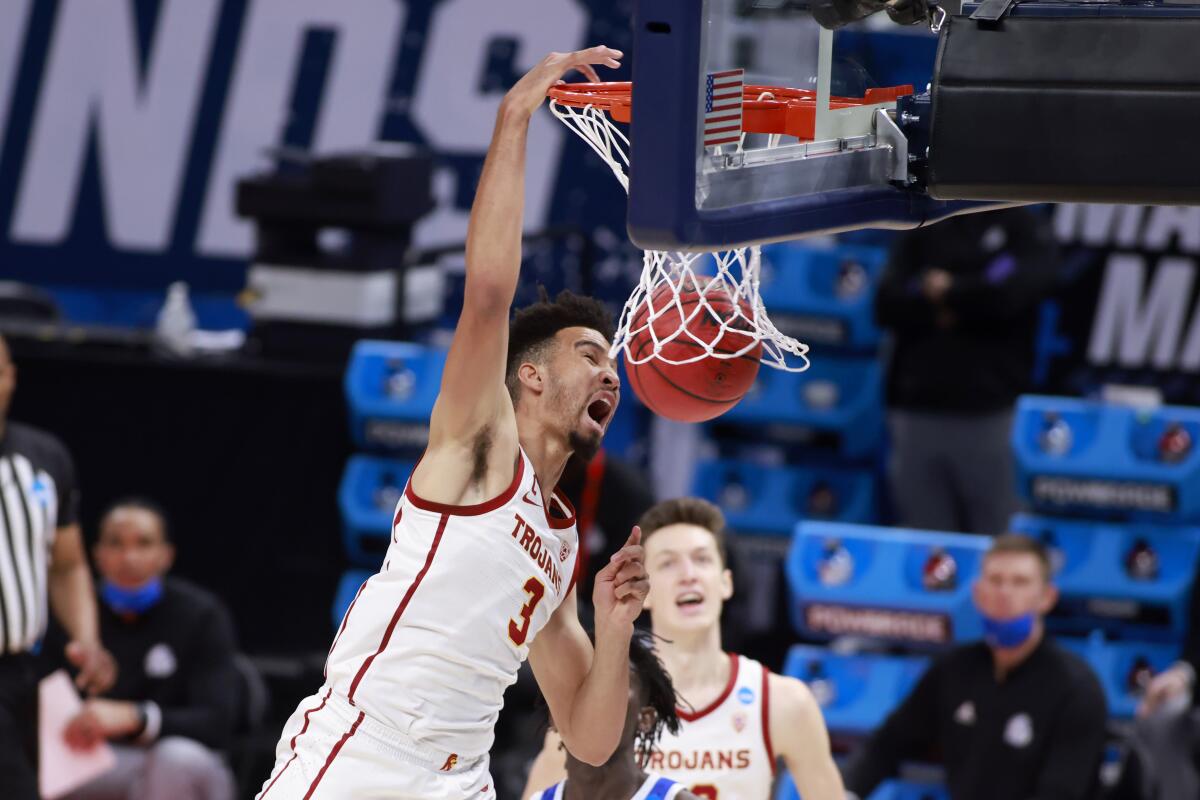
[41, 557]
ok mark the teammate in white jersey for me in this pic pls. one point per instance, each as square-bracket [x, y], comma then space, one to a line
[650, 712]
[478, 573]
[739, 716]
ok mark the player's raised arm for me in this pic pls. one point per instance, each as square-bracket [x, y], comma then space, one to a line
[473, 395]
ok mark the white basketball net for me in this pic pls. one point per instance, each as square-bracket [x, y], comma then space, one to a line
[735, 283]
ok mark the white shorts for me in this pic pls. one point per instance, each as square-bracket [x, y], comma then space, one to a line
[331, 750]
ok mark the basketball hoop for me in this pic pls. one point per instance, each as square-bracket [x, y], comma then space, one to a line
[720, 288]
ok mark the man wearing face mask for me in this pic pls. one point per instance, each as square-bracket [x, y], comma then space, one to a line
[1012, 717]
[172, 706]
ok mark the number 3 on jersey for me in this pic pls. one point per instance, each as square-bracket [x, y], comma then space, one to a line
[518, 631]
[705, 790]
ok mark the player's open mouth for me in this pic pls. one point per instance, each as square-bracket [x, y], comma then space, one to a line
[689, 600]
[599, 410]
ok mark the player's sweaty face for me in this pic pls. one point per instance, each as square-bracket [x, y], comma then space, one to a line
[584, 388]
[1012, 584]
[689, 583]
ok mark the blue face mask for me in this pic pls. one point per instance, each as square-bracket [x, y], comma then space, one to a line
[1007, 633]
[132, 601]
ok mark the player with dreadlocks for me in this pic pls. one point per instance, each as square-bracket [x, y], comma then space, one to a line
[651, 710]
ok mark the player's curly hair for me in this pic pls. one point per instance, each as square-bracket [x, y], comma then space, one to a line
[533, 327]
[657, 692]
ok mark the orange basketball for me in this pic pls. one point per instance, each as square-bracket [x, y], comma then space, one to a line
[705, 388]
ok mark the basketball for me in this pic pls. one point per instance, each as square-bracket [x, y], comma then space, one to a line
[700, 390]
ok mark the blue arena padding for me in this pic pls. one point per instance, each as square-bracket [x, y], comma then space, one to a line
[856, 692]
[841, 397]
[863, 580]
[347, 588]
[1105, 581]
[888, 790]
[770, 500]
[1118, 666]
[824, 295]
[390, 390]
[1099, 460]
[370, 489]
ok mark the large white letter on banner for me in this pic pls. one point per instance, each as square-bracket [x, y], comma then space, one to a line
[1141, 333]
[144, 124]
[456, 114]
[367, 39]
[12, 34]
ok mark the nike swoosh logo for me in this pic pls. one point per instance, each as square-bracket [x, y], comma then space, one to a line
[532, 502]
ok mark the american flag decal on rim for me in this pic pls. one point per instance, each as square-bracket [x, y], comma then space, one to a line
[723, 107]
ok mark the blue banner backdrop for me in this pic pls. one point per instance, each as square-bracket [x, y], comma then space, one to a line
[124, 124]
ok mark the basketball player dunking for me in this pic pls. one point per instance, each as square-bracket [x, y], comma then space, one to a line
[478, 573]
[741, 715]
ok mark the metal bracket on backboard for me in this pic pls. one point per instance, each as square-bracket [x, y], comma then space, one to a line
[888, 134]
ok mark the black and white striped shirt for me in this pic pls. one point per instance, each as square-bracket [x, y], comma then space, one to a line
[37, 497]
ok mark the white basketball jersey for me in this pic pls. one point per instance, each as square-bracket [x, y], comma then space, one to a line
[723, 751]
[431, 642]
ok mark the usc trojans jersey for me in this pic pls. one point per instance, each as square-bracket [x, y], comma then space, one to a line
[723, 751]
[431, 642]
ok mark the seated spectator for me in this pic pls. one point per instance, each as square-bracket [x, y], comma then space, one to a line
[174, 702]
[1169, 719]
[1015, 716]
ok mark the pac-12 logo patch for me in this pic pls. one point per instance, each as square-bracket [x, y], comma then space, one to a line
[739, 722]
[564, 551]
[745, 695]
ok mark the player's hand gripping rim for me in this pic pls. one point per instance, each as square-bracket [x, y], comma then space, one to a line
[530, 92]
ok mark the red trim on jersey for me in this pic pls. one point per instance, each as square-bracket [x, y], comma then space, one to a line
[766, 718]
[469, 511]
[558, 523]
[387, 634]
[396, 521]
[574, 577]
[336, 749]
[345, 619]
[292, 744]
[692, 716]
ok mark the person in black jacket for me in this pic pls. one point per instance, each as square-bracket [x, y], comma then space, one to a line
[174, 703]
[1015, 717]
[961, 299]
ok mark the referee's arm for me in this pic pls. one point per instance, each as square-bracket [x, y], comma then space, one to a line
[909, 732]
[1076, 745]
[73, 601]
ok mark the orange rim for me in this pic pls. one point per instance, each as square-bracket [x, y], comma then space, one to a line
[765, 109]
